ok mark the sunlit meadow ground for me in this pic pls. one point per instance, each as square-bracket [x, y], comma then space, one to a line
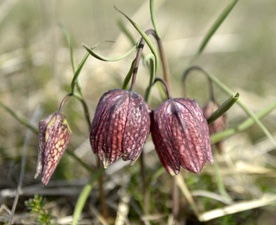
[35, 74]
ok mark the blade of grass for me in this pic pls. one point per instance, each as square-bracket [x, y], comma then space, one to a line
[109, 59]
[223, 108]
[70, 44]
[214, 28]
[150, 58]
[126, 32]
[243, 126]
[77, 72]
[220, 184]
[152, 15]
[128, 76]
[20, 119]
[144, 36]
[84, 195]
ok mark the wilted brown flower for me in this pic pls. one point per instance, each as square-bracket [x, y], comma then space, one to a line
[120, 126]
[180, 135]
[219, 124]
[54, 137]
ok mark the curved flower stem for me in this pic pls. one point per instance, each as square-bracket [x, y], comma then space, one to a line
[165, 86]
[101, 192]
[84, 105]
[63, 101]
[175, 197]
[162, 57]
[139, 55]
[211, 89]
[165, 67]
[160, 45]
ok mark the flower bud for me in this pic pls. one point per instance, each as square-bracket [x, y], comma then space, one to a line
[181, 136]
[54, 137]
[218, 125]
[120, 126]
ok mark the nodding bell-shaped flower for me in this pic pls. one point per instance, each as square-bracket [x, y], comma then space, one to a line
[120, 127]
[54, 137]
[180, 135]
[219, 124]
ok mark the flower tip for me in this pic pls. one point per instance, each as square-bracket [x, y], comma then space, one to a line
[105, 162]
[196, 170]
[171, 171]
[211, 159]
[45, 181]
[38, 170]
[36, 175]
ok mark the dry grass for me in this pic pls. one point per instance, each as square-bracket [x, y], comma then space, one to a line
[35, 74]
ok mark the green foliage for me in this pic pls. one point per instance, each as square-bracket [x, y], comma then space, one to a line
[158, 186]
[36, 206]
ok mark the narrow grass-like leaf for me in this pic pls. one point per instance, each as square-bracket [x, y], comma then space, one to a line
[224, 107]
[152, 15]
[125, 31]
[150, 58]
[144, 36]
[214, 28]
[220, 184]
[84, 195]
[128, 76]
[109, 59]
[77, 72]
[228, 91]
[20, 119]
[243, 126]
[70, 44]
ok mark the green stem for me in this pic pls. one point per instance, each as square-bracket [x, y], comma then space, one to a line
[152, 15]
[84, 195]
[64, 101]
[164, 62]
[165, 86]
[220, 184]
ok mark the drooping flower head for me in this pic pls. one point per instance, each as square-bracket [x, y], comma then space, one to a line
[181, 136]
[54, 137]
[120, 126]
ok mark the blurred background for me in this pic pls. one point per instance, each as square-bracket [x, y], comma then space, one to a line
[35, 74]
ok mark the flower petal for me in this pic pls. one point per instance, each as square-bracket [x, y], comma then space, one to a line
[137, 127]
[57, 137]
